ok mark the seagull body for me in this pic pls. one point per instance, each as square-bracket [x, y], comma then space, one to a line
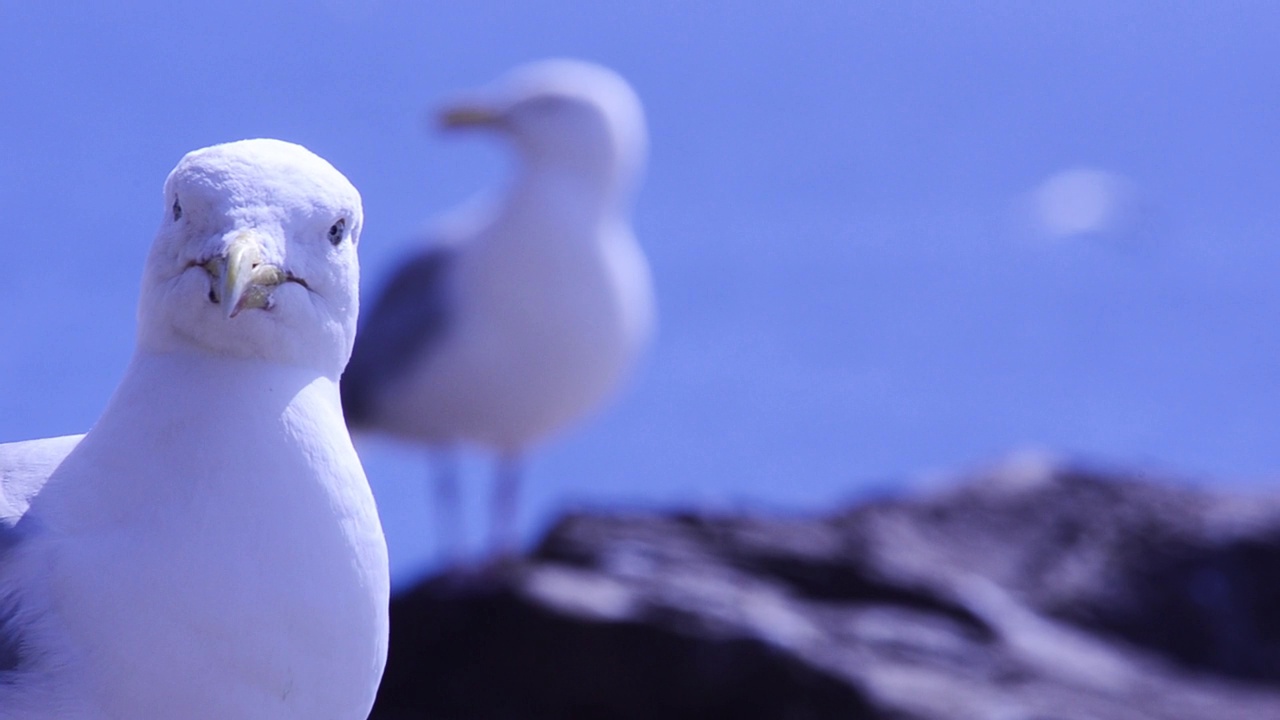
[210, 548]
[533, 335]
[524, 321]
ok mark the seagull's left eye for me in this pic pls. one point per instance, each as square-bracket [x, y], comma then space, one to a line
[337, 231]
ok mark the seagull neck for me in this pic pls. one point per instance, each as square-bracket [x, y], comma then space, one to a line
[569, 188]
[203, 418]
[208, 381]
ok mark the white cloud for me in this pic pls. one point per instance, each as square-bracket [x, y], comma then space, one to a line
[1081, 201]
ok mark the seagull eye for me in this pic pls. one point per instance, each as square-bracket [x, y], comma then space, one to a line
[177, 209]
[337, 231]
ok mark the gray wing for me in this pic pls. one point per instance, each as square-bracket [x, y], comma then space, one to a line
[406, 322]
[24, 468]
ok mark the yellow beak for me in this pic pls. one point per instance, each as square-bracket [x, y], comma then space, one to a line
[246, 280]
[464, 116]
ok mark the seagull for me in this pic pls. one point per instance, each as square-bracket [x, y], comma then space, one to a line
[520, 319]
[210, 548]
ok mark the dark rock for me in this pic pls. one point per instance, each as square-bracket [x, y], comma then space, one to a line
[1031, 593]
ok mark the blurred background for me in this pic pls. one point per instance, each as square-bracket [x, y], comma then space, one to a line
[890, 240]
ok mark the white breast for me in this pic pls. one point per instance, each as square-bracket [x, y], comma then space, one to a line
[214, 570]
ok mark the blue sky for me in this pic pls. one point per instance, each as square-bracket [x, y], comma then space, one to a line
[855, 285]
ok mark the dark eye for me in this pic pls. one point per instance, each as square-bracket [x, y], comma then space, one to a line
[177, 209]
[337, 231]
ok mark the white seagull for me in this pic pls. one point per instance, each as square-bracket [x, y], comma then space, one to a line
[507, 330]
[210, 549]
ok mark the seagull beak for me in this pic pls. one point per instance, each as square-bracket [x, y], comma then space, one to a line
[468, 116]
[246, 280]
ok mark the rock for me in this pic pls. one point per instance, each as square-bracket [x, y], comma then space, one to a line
[1033, 592]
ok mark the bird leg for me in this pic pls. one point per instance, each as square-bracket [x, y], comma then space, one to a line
[449, 525]
[504, 536]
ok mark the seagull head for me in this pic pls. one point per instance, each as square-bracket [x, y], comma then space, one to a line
[255, 258]
[565, 116]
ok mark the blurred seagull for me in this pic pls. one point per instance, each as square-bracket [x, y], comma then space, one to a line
[210, 548]
[507, 331]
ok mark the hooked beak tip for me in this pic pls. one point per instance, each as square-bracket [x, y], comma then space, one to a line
[242, 280]
[243, 255]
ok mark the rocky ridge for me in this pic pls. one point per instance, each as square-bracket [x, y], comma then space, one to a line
[1040, 592]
